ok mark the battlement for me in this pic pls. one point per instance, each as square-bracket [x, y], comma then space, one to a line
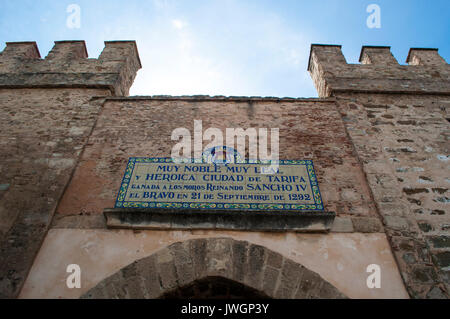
[68, 65]
[378, 71]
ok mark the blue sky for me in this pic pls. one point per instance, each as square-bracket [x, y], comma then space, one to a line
[229, 47]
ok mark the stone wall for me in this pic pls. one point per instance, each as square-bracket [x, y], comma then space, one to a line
[67, 65]
[378, 137]
[340, 259]
[379, 72]
[397, 117]
[48, 112]
[142, 127]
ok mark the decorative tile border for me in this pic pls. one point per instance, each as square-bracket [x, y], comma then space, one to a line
[317, 206]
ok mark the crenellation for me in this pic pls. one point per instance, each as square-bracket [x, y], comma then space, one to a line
[379, 72]
[379, 145]
[378, 55]
[325, 55]
[125, 54]
[120, 51]
[67, 66]
[25, 50]
[424, 56]
[67, 51]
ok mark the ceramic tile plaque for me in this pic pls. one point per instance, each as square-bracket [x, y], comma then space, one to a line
[160, 183]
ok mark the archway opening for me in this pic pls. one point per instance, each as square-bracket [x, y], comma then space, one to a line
[214, 268]
[214, 288]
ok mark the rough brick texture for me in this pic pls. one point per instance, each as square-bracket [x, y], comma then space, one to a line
[142, 127]
[379, 72]
[67, 65]
[48, 112]
[378, 137]
[397, 118]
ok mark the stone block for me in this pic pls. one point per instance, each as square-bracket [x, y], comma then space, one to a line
[291, 274]
[270, 280]
[396, 222]
[342, 225]
[367, 225]
[256, 259]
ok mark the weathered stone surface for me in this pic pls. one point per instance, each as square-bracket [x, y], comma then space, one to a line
[165, 267]
[342, 225]
[104, 159]
[424, 274]
[403, 112]
[291, 274]
[218, 252]
[132, 288]
[239, 251]
[274, 260]
[67, 66]
[436, 293]
[141, 278]
[332, 75]
[256, 259]
[270, 280]
[309, 286]
[379, 145]
[367, 225]
[48, 112]
[198, 252]
[440, 241]
[183, 262]
[396, 222]
[327, 291]
[243, 220]
[442, 259]
[151, 284]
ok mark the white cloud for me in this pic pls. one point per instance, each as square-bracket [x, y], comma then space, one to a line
[178, 24]
[220, 49]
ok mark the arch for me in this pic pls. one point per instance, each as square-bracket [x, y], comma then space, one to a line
[182, 264]
[214, 288]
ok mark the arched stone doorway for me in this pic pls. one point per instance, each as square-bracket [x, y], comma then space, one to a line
[214, 268]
